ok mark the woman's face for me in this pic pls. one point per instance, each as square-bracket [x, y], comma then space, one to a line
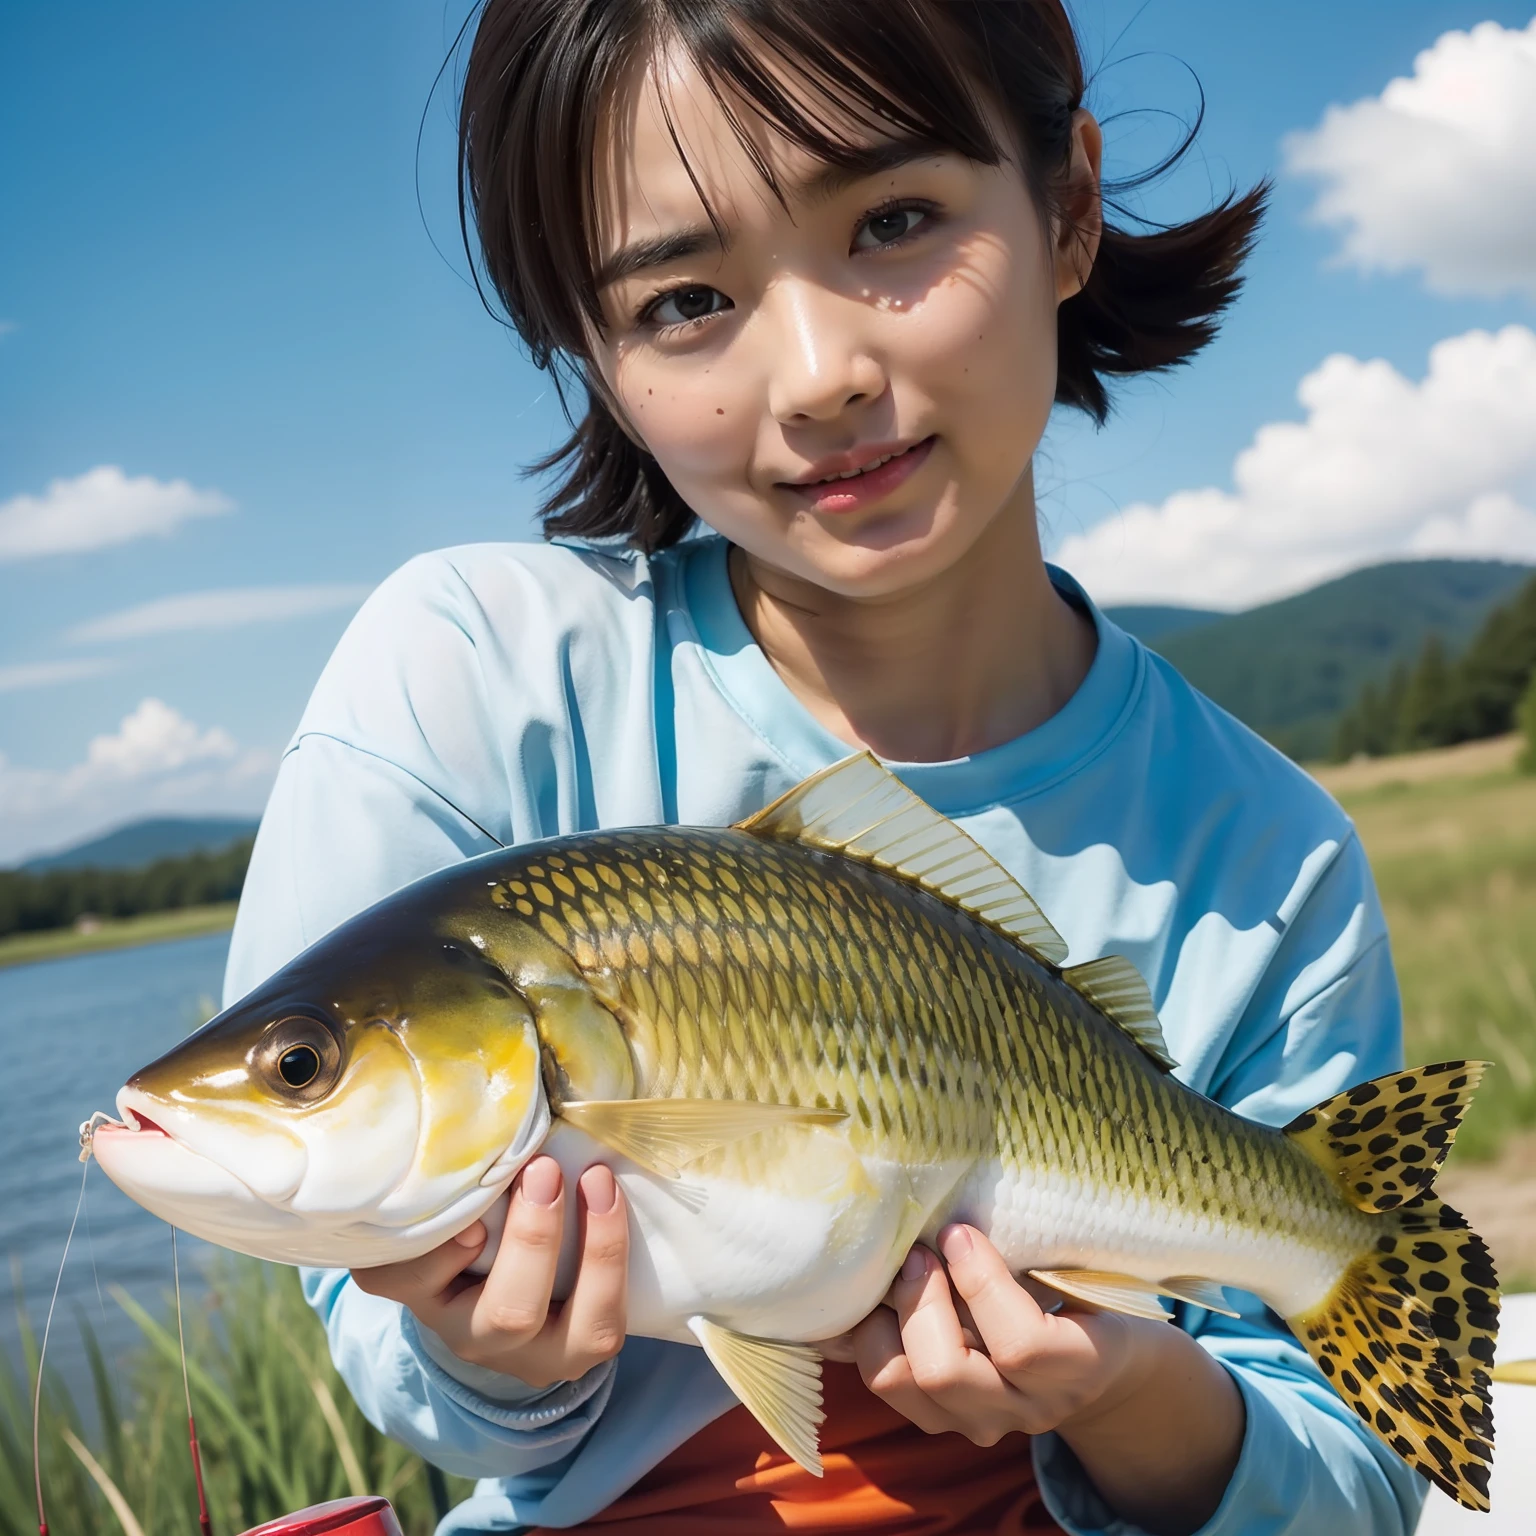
[899, 324]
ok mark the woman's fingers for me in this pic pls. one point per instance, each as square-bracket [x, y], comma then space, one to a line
[511, 1306]
[1013, 1327]
[423, 1284]
[883, 1363]
[945, 1369]
[591, 1325]
[839, 1347]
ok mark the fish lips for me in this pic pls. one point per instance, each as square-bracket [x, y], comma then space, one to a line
[192, 1192]
[173, 1182]
[273, 1162]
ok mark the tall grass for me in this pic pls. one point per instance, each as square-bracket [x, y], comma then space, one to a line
[1455, 861]
[277, 1428]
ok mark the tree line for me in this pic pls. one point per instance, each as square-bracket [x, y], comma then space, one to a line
[1442, 699]
[59, 898]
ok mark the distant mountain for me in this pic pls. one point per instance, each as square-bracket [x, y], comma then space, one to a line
[1288, 668]
[142, 842]
[1149, 622]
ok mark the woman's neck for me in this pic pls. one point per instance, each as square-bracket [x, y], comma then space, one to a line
[975, 657]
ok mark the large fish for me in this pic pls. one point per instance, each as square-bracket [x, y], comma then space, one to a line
[803, 1044]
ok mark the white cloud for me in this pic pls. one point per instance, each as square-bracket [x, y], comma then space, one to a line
[1381, 468]
[1438, 173]
[44, 674]
[101, 507]
[228, 608]
[156, 761]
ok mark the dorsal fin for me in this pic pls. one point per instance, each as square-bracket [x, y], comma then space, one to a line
[859, 808]
[1116, 988]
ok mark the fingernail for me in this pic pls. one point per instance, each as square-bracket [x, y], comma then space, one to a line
[599, 1190]
[915, 1265]
[955, 1243]
[541, 1181]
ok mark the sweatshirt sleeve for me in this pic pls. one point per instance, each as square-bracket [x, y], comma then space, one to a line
[1325, 1015]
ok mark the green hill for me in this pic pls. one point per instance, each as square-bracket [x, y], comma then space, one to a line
[1151, 622]
[1289, 668]
[143, 842]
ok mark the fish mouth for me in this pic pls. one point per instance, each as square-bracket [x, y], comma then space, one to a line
[140, 1124]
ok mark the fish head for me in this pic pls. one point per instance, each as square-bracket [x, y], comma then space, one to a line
[365, 1103]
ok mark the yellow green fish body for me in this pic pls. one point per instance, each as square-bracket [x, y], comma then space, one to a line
[803, 1044]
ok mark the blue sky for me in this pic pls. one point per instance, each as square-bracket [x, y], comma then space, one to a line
[217, 284]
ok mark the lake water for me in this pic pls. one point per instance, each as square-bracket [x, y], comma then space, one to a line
[71, 1032]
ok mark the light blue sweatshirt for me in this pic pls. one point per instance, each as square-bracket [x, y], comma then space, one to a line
[500, 693]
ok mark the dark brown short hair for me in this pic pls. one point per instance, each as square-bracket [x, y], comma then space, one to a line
[917, 70]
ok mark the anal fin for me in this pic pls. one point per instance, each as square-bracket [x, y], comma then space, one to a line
[778, 1384]
[1099, 1288]
[665, 1135]
[1198, 1292]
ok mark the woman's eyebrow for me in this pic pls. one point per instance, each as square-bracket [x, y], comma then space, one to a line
[660, 251]
[857, 163]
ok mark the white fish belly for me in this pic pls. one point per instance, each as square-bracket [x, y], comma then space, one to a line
[1048, 1219]
[764, 1261]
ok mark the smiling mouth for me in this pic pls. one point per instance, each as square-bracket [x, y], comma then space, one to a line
[863, 469]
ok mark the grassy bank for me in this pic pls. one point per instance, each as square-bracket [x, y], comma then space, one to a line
[1455, 859]
[277, 1427]
[1452, 837]
[152, 928]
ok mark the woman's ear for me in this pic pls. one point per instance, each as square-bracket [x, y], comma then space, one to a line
[1079, 222]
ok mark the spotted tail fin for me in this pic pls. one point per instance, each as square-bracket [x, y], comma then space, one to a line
[1406, 1337]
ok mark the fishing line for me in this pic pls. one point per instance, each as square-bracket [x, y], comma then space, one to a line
[90, 1248]
[203, 1522]
[42, 1355]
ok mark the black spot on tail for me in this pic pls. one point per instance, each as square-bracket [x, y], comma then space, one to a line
[1417, 1316]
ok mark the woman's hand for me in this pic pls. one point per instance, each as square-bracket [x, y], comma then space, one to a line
[505, 1321]
[1155, 1421]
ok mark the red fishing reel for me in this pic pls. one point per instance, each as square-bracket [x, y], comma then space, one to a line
[341, 1517]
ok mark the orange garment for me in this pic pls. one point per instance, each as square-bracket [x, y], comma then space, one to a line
[883, 1474]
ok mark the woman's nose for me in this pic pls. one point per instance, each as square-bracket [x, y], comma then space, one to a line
[820, 362]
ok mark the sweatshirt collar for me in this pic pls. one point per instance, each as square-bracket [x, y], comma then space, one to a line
[1010, 771]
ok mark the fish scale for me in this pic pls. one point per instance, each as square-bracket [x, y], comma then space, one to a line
[802, 1044]
[888, 1025]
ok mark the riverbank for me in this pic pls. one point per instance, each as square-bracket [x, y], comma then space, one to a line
[118, 933]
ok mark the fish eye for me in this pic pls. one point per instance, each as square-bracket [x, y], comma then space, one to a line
[300, 1058]
[299, 1066]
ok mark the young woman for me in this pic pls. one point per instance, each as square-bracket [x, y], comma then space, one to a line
[823, 268]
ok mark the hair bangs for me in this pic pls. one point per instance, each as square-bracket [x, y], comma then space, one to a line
[992, 80]
[821, 77]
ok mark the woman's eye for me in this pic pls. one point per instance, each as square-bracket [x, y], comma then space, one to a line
[886, 227]
[683, 305]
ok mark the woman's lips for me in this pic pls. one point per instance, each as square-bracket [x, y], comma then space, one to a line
[862, 490]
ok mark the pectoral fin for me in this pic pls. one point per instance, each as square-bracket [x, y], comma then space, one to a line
[778, 1384]
[1115, 1293]
[665, 1135]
